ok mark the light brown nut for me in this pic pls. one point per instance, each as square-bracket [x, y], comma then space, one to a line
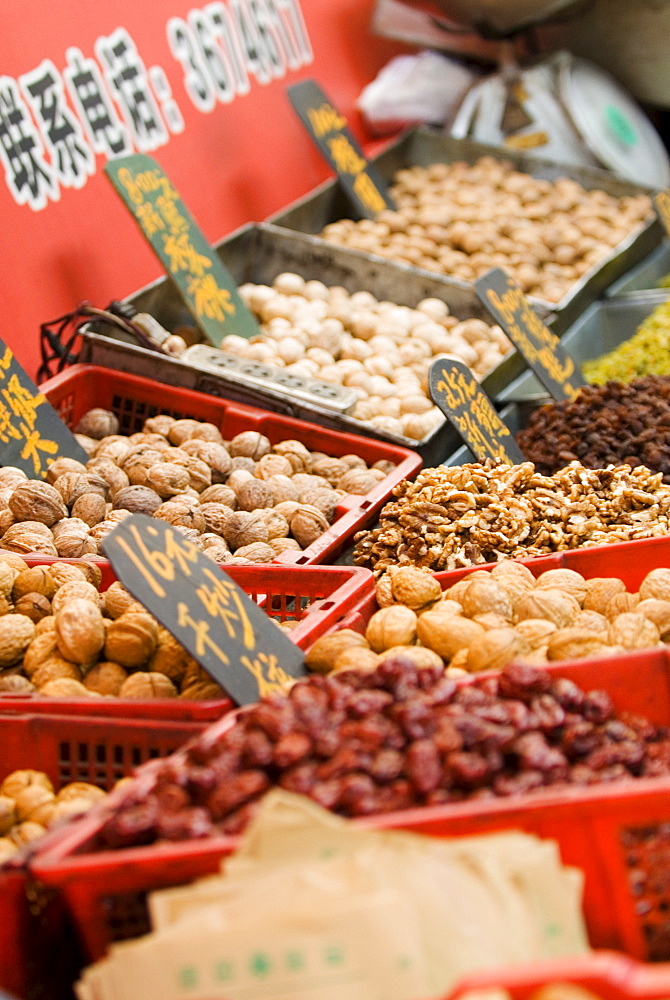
[306, 524]
[169, 657]
[8, 815]
[80, 631]
[90, 508]
[34, 579]
[66, 687]
[600, 591]
[249, 444]
[494, 650]
[55, 668]
[257, 552]
[33, 606]
[483, 596]
[446, 634]
[550, 603]
[244, 528]
[576, 643]
[105, 678]
[392, 626]
[568, 580]
[116, 600]
[322, 655]
[37, 501]
[40, 647]
[75, 590]
[408, 585]
[656, 584]
[62, 572]
[620, 603]
[16, 684]
[633, 631]
[356, 658]
[18, 780]
[658, 612]
[98, 423]
[131, 640]
[536, 631]
[16, 633]
[35, 802]
[148, 685]
[29, 831]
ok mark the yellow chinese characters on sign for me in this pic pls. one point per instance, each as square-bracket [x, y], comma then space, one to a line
[477, 421]
[18, 418]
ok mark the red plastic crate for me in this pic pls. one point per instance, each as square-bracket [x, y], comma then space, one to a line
[607, 974]
[87, 749]
[133, 399]
[614, 833]
[319, 596]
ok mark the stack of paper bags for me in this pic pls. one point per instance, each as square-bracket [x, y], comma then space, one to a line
[312, 906]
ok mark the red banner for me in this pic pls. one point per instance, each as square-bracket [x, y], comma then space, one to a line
[200, 88]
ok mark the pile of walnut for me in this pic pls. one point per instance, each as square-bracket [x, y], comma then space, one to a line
[61, 638]
[503, 615]
[29, 805]
[462, 220]
[382, 350]
[455, 516]
[240, 501]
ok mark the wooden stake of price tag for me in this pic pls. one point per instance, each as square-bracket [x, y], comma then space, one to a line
[328, 128]
[203, 608]
[32, 434]
[205, 285]
[456, 391]
[662, 205]
[541, 348]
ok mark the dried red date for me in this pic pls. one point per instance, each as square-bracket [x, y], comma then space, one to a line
[424, 767]
[291, 748]
[391, 739]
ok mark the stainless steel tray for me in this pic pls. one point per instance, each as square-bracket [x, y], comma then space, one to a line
[600, 329]
[423, 146]
[645, 276]
[258, 253]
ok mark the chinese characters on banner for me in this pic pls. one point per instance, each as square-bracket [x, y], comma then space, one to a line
[205, 285]
[329, 130]
[32, 434]
[203, 608]
[541, 348]
[54, 120]
[455, 390]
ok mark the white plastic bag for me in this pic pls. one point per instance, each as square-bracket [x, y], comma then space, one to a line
[414, 89]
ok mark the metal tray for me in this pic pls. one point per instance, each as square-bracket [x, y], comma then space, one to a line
[646, 276]
[258, 253]
[423, 146]
[599, 330]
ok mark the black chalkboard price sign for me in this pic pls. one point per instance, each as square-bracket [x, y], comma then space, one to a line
[541, 348]
[32, 434]
[456, 391]
[328, 128]
[205, 285]
[203, 608]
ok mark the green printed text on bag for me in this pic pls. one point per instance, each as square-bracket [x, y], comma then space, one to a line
[232, 639]
[363, 184]
[456, 391]
[541, 348]
[205, 285]
[32, 434]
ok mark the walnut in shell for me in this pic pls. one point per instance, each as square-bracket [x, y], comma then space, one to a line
[495, 649]
[33, 606]
[16, 633]
[633, 631]
[137, 500]
[409, 585]
[33, 579]
[483, 596]
[249, 444]
[658, 612]
[600, 591]
[306, 524]
[244, 528]
[550, 603]
[321, 657]
[575, 643]
[446, 634]
[37, 501]
[98, 423]
[105, 678]
[80, 632]
[148, 685]
[395, 625]
[568, 580]
[656, 584]
[131, 639]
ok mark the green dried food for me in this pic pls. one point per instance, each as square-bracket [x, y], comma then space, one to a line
[647, 352]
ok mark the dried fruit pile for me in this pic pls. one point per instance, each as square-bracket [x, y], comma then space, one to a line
[29, 806]
[241, 501]
[605, 425]
[462, 220]
[645, 353]
[463, 515]
[491, 618]
[61, 638]
[364, 743]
